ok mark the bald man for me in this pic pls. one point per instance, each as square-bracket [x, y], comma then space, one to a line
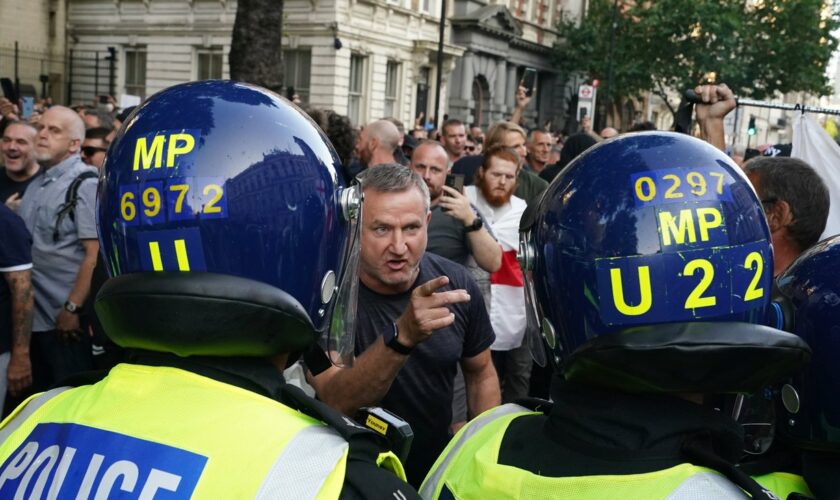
[608, 133]
[64, 248]
[377, 143]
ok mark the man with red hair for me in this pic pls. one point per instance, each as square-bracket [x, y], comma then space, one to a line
[493, 195]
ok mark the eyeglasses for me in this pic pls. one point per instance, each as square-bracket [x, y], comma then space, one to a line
[92, 150]
[469, 148]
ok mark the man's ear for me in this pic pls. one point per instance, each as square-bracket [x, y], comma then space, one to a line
[75, 146]
[779, 216]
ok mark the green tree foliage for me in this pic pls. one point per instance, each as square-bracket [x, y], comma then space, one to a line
[255, 55]
[757, 47]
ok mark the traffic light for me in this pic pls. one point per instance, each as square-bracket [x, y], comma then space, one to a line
[751, 126]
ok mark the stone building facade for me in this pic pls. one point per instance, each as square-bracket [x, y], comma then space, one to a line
[363, 58]
[32, 46]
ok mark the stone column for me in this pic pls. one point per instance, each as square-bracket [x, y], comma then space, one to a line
[467, 76]
[512, 84]
[501, 84]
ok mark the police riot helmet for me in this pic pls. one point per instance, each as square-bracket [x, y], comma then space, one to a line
[810, 413]
[226, 226]
[648, 267]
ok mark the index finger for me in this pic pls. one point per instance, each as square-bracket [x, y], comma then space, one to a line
[429, 287]
[440, 299]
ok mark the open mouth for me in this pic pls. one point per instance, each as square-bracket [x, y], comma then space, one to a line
[397, 264]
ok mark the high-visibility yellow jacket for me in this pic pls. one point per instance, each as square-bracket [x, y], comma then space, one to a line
[157, 430]
[469, 469]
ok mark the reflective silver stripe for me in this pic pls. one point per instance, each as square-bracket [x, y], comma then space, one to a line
[705, 485]
[31, 407]
[429, 486]
[304, 464]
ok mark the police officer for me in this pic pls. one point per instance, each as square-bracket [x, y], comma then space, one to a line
[648, 266]
[808, 411]
[229, 237]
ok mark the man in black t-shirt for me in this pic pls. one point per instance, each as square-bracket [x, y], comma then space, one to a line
[20, 165]
[419, 316]
[16, 304]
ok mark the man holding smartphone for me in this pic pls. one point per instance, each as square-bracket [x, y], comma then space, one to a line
[456, 230]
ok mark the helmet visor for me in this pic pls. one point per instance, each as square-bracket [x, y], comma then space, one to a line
[341, 336]
[533, 312]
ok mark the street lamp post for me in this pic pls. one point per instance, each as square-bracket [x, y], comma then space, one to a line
[608, 90]
[440, 61]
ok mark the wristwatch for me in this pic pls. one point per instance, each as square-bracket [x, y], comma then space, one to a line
[476, 225]
[390, 339]
[72, 308]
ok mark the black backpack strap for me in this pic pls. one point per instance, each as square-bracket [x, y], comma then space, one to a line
[536, 404]
[71, 197]
[699, 449]
[364, 443]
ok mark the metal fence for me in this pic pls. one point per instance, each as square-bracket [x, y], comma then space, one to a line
[35, 73]
[92, 73]
[77, 77]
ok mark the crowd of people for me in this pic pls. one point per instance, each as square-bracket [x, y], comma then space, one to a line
[472, 246]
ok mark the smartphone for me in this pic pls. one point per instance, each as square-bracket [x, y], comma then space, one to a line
[103, 99]
[456, 182]
[28, 106]
[529, 80]
[9, 90]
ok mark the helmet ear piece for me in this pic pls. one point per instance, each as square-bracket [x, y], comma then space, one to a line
[783, 314]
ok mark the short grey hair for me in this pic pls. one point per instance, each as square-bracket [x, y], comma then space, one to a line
[394, 178]
[74, 123]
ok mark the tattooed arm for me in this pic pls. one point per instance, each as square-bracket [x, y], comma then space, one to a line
[19, 372]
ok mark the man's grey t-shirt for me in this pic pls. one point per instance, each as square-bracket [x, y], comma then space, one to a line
[422, 391]
[447, 237]
[56, 262]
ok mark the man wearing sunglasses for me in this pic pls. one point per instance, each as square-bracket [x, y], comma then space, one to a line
[94, 146]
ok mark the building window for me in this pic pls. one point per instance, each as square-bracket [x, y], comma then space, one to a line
[542, 12]
[297, 65]
[392, 78]
[356, 92]
[135, 71]
[210, 63]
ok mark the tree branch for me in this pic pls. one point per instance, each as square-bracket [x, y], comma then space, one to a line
[660, 91]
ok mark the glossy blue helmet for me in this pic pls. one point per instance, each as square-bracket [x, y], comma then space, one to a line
[811, 406]
[226, 225]
[648, 264]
